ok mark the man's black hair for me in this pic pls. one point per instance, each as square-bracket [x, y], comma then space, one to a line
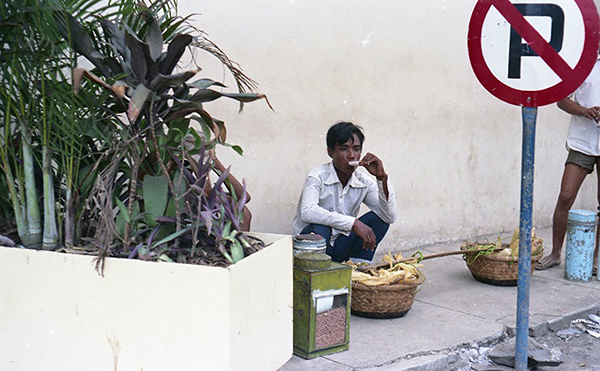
[343, 131]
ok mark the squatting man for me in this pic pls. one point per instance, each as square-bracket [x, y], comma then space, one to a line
[333, 193]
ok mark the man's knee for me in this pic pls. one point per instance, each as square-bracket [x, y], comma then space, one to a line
[566, 199]
[371, 218]
[379, 227]
[321, 230]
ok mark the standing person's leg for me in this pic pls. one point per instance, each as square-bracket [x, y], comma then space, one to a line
[573, 176]
[351, 246]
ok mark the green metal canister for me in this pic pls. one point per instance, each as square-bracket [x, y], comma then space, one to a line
[321, 305]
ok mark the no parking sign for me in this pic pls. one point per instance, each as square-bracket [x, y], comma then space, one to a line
[533, 52]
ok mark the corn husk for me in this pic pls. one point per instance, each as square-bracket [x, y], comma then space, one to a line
[536, 243]
[393, 274]
[511, 249]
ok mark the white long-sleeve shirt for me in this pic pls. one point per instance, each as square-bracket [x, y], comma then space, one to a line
[324, 201]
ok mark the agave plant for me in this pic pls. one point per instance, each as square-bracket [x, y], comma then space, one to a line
[154, 193]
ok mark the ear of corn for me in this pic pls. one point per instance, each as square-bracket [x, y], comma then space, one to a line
[515, 236]
[512, 249]
[390, 259]
[536, 243]
[394, 274]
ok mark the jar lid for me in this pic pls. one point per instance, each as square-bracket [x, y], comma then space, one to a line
[585, 216]
[309, 240]
[312, 261]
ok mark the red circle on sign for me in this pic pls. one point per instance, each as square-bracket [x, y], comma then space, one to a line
[534, 98]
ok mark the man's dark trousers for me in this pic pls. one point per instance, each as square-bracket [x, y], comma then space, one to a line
[351, 246]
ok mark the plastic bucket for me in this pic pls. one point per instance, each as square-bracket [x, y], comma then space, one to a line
[581, 237]
[309, 243]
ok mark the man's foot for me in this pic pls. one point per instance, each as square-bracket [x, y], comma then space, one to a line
[595, 271]
[546, 262]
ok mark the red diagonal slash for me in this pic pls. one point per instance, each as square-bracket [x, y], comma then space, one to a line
[533, 38]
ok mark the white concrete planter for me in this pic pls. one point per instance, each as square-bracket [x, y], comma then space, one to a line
[58, 314]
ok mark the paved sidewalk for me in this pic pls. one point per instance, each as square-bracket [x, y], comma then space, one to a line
[451, 311]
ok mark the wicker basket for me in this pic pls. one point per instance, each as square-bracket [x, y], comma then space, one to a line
[386, 301]
[499, 270]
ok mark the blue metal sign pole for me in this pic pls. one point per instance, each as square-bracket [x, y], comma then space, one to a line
[529, 117]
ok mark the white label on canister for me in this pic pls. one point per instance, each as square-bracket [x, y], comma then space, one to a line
[326, 305]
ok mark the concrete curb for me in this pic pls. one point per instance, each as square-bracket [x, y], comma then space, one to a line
[509, 332]
[564, 321]
[438, 359]
[418, 362]
[558, 323]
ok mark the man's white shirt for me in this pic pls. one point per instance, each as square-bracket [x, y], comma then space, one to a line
[584, 134]
[324, 201]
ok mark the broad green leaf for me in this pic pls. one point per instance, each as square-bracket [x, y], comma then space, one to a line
[154, 38]
[197, 142]
[123, 210]
[140, 96]
[120, 221]
[215, 125]
[177, 131]
[235, 147]
[205, 83]
[225, 254]
[185, 103]
[162, 82]
[205, 95]
[174, 52]
[165, 258]
[237, 251]
[205, 128]
[227, 226]
[116, 36]
[140, 56]
[86, 178]
[80, 40]
[174, 137]
[238, 149]
[155, 192]
[248, 97]
[143, 250]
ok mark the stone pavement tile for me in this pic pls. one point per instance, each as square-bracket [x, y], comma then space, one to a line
[433, 362]
[551, 299]
[426, 328]
[449, 284]
[315, 364]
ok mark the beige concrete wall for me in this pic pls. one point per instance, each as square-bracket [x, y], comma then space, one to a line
[399, 69]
